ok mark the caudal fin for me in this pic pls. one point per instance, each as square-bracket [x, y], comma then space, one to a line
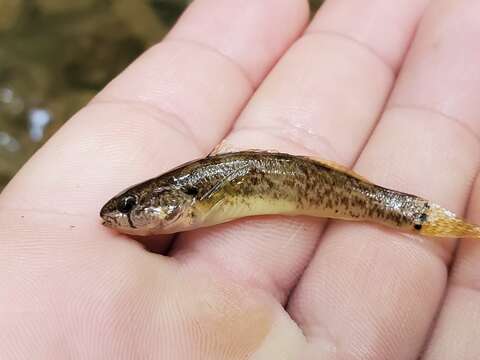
[444, 223]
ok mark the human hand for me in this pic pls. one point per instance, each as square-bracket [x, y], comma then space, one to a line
[265, 287]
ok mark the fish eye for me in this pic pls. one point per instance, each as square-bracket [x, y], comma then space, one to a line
[127, 204]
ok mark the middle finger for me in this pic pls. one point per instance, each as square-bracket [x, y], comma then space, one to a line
[332, 84]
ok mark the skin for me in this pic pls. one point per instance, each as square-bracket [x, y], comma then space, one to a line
[357, 87]
[225, 187]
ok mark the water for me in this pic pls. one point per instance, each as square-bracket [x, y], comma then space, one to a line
[56, 54]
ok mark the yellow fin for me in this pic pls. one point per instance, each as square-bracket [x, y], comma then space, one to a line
[339, 167]
[223, 147]
[443, 223]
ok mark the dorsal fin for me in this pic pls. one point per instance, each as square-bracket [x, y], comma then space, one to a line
[223, 147]
[339, 167]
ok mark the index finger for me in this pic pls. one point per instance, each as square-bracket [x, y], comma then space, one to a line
[174, 103]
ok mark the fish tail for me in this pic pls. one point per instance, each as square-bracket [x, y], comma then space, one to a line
[443, 223]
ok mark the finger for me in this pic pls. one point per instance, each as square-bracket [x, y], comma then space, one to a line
[372, 293]
[173, 104]
[64, 273]
[252, 33]
[128, 134]
[328, 86]
[456, 333]
[121, 302]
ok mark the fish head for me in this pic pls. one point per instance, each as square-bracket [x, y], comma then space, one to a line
[147, 209]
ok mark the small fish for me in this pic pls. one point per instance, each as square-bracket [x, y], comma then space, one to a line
[229, 186]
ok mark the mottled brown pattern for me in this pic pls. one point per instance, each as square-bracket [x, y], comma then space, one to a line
[229, 186]
[220, 188]
[313, 187]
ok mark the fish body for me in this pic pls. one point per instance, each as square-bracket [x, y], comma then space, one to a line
[229, 186]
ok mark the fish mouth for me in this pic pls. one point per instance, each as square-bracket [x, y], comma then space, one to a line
[108, 221]
[122, 223]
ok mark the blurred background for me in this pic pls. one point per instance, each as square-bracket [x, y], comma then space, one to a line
[56, 54]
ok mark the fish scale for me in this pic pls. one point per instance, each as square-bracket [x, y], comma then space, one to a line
[229, 186]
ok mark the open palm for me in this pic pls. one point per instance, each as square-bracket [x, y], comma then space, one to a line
[390, 86]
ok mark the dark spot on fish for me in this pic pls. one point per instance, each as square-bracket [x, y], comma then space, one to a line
[191, 190]
[130, 222]
[126, 204]
[417, 227]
